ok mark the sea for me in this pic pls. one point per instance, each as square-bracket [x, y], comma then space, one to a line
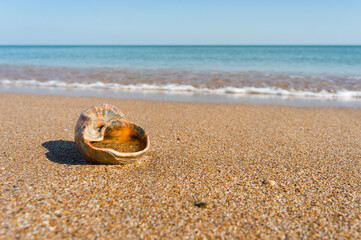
[281, 75]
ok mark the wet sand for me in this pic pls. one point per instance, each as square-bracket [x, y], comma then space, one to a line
[213, 170]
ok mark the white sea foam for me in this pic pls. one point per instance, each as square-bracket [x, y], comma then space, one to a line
[178, 88]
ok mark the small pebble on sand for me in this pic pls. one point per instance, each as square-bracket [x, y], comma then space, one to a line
[201, 204]
[269, 182]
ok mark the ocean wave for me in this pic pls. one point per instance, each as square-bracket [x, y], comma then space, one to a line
[179, 88]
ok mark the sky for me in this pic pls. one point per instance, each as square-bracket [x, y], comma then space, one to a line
[180, 22]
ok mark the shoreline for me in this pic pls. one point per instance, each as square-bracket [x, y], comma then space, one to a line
[164, 96]
[212, 171]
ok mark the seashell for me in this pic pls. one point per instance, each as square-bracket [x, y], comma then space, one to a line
[102, 135]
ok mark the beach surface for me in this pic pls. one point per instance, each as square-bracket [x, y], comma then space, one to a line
[213, 171]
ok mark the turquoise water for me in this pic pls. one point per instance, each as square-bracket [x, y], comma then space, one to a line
[302, 71]
[345, 60]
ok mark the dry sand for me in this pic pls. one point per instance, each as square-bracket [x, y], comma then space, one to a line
[260, 171]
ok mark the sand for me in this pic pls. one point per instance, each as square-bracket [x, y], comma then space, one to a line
[213, 171]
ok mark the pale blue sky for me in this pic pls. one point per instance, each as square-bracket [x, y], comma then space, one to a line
[180, 22]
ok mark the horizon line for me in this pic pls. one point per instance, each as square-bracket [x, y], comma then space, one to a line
[178, 45]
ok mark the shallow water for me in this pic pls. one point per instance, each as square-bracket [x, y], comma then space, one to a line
[325, 72]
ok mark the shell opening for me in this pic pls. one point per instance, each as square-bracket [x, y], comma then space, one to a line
[122, 136]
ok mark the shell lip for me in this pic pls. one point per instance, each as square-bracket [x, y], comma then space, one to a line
[121, 154]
